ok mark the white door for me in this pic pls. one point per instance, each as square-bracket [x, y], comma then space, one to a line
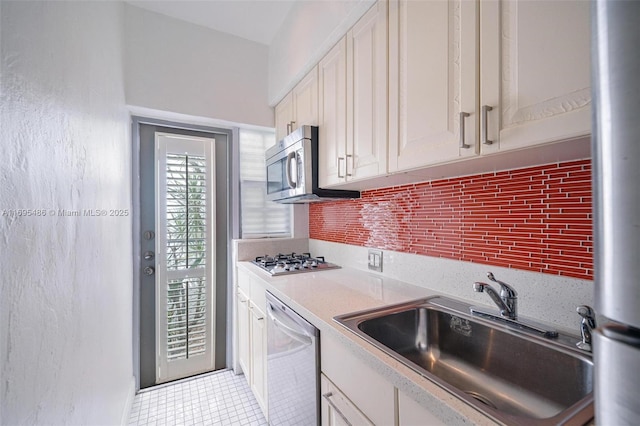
[185, 255]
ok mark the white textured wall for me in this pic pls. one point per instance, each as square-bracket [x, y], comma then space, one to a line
[309, 31]
[175, 66]
[66, 285]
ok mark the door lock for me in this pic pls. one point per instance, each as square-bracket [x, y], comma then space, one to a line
[149, 270]
[148, 255]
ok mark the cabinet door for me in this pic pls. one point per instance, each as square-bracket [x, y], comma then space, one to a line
[284, 116]
[360, 383]
[367, 101]
[258, 356]
[410, 413]
[305, 100]
[432, 78]
[332, 116]
[535, 71]
[336, 409]
[243, 333]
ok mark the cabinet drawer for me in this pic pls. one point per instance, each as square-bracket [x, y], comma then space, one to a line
[244, 281]
[259, 293]
[337, 410]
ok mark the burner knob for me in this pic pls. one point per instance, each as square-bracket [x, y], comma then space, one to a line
[279, 267]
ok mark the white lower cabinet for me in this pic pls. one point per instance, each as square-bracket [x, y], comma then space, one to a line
[244, 338]
[355, 393]
[336, 408]
[252, 334]
[366, 389]
[258, 379]
[410, 413]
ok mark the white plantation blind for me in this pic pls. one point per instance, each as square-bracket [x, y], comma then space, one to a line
[259, 217]
[186, 207]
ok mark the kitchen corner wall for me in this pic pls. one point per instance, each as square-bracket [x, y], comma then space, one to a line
[65, 275]
[535, 219]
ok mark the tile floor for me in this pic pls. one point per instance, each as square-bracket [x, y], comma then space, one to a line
[219, 398]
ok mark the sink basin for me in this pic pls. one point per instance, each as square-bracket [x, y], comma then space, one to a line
[513, 376]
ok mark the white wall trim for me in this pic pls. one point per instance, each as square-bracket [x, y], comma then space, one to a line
[190, 119]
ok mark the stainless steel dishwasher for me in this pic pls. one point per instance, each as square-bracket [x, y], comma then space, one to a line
[293, 367]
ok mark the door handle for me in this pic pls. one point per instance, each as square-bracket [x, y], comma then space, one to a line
[291, 157]
[484, 131]
[463, 115]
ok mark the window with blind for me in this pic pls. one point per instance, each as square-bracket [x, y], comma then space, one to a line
[259, 217]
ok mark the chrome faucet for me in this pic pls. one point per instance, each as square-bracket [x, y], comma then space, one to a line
[507, 300]
[587, 325]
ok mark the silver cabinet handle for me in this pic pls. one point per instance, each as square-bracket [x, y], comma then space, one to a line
[339, 175]
[463, 115]
[346, 165]
[484, 131]
[327, 396]
[290, 127]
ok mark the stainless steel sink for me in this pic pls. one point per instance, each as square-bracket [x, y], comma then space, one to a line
[511, 375]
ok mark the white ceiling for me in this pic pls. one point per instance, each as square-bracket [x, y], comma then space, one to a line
[256, 20]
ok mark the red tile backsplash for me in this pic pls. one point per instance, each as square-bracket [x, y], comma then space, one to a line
[537, 219]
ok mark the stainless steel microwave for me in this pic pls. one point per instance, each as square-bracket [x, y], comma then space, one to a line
[292, 170]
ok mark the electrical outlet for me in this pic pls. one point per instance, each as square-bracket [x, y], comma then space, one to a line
[375, 260]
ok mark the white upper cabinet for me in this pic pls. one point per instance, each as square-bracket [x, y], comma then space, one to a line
[367, 100]
[535, 72]
[432, 80]
[353, 103]
[284, 116]
[299, 107]
[332, 115]
[532, 85]
[415, 84]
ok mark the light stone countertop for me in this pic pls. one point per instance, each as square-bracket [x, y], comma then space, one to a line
[319, 296]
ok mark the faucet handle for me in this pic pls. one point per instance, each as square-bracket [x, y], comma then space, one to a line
[587, 325]
[588, 314]
[506, 291]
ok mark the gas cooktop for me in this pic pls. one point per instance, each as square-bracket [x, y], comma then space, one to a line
[292, 263]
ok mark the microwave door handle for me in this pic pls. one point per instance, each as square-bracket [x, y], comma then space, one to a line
[290, 157]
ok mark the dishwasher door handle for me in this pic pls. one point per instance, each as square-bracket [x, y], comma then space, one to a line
[294, 334]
